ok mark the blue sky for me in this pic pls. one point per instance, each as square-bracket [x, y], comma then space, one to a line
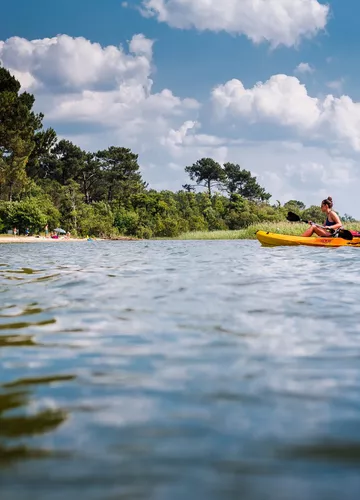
[298, 141]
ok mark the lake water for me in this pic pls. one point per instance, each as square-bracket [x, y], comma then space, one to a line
[179, 370]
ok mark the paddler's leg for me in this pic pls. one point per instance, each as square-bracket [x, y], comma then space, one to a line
[322, 232]
[309, 232]
[317, 230]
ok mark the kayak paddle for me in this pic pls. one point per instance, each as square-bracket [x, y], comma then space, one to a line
[343, 233]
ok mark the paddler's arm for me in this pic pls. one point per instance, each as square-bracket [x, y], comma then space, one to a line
[336, 218]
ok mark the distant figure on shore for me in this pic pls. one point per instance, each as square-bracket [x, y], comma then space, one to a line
[27, 231]
[46, 231]
[14, 231]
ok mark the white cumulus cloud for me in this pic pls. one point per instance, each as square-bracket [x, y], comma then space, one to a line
[304, 68]
[284, 101]
[64, 63]
[336, 84]
[276, 21]
[80, 82]
[139, 44]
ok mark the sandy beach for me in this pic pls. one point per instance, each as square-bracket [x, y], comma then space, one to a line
[33, 239]
[42, 239]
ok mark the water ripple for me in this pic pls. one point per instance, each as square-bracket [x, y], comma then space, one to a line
[167, 369]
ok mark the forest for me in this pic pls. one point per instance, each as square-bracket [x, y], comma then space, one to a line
[47, 181]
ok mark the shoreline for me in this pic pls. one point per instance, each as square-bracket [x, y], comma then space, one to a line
[43, 239]
[33, 239]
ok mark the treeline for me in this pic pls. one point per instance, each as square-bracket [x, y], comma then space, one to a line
[47, 181]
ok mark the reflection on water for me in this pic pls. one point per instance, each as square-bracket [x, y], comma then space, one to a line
[327, 450]
[14, 426]
[215, 370]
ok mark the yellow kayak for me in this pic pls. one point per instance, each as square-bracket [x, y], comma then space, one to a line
[273, 240]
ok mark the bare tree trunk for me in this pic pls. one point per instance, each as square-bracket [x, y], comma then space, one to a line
[73, 204]
[86, 189]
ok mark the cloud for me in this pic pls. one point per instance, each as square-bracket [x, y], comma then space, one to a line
[280, 22]
[118, 108]
[175, 139]
[339, 171]
[303, 68]
[80, 83]
[140, 45]
[288, 170]
[310, 175]
[284, 101]
[26, 79]
[336, 84]
[186, 136]
[109, 100]
[64, 63]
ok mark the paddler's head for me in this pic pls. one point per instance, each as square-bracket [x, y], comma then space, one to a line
[327, 204]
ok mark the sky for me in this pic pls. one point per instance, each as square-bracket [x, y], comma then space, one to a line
[269, 84]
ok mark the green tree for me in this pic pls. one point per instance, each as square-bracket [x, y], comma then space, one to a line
[348, 218]
[121, 174]
[89, 176]
[314, 214]
[206, 172]
[95, 219]
[240, 181]
[127, 221]
[18, 126]
[240, 212]
[66, 162]
[72, 206]
[295, 206]
[39, 160]
[23, 214]
[188, 188]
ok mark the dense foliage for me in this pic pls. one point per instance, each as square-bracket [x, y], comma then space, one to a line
[47, 181]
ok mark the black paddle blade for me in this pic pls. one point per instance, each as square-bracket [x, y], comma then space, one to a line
[345, 234]
[292, 217]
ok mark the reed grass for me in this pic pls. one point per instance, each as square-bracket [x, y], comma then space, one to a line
[291, 228]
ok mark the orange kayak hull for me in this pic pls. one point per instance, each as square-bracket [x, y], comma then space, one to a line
[273, 240]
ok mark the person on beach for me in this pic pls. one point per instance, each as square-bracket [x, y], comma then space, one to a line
[46, 231]
[332, 220]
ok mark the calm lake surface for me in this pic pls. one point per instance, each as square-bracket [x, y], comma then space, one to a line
[179, 370]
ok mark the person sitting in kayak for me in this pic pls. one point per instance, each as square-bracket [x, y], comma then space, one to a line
[332, 220]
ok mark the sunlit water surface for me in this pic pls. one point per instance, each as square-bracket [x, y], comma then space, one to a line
[179, 370]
